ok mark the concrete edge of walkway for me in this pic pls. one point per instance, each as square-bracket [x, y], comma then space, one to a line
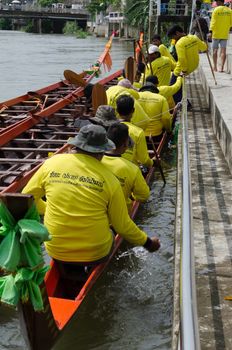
[177, 248]
[219, 100]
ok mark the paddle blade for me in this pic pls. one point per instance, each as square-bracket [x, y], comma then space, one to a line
[98, 96]
[74, 78]
[130, 69]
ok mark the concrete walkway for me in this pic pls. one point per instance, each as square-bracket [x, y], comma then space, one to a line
[210, 147]
[212, 225]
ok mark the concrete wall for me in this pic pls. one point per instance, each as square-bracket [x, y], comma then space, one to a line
[219, 99]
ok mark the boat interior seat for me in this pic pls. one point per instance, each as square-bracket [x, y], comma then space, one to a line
[72, 271]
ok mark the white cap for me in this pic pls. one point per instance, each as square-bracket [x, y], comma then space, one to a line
[153, 49]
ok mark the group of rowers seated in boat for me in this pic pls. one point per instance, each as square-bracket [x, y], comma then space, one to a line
[91, 188]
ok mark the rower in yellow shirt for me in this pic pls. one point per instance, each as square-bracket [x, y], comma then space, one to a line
[187, 49]
[83, 197]
[220, 25]
[129, 175]
[166, 91]
[137, 154]
[124, 86]
[158, 65]
[156, 107]
[156, 40]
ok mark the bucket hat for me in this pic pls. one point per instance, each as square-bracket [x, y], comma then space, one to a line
[105, 116]
[92, 138]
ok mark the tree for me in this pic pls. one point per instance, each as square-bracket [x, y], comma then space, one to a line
[48, 3]
[137, 13]
[97, 6]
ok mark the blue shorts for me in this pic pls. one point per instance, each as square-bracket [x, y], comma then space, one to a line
[219, 42]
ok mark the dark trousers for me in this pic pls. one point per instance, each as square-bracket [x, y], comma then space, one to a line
[177, 97]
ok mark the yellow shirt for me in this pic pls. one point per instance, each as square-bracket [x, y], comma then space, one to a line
[221, 22]
[139, 117]
[187, 49]
[169, 90]
[165, 52]
[130, 177]
[138, 154]
[82, 198]
[156, 107]
[161, 67]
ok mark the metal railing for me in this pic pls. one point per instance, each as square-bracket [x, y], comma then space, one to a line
[189, 332]
[37, 8]
[170, 9]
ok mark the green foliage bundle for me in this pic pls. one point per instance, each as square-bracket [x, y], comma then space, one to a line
[72, 28]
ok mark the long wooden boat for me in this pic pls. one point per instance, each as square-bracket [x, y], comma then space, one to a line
[21, 113]
[25, 144]
[62, 294]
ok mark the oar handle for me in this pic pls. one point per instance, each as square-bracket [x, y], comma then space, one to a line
[157, 159]
[207, 53]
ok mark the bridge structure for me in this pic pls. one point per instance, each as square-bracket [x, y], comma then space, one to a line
[38, 14]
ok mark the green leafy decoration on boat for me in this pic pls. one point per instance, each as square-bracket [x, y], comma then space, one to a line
[21, 255]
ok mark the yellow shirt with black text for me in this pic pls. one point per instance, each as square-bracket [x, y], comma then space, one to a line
[83, 197]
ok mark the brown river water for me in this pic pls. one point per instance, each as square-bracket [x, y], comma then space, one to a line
[130, 308]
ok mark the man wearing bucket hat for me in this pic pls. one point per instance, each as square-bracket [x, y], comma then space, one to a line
[82, 198]
[158, 65]
[105, 116]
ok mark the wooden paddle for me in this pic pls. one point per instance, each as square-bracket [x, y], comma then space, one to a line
[2, 108]
[157, 157]
[98, 96]
[130, 69]
[74, 78]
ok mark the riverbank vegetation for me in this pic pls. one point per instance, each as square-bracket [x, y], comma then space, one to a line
[72, 28]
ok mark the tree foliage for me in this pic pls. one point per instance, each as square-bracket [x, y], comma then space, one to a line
[137, 13]
[97, 6]
[48, 3]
